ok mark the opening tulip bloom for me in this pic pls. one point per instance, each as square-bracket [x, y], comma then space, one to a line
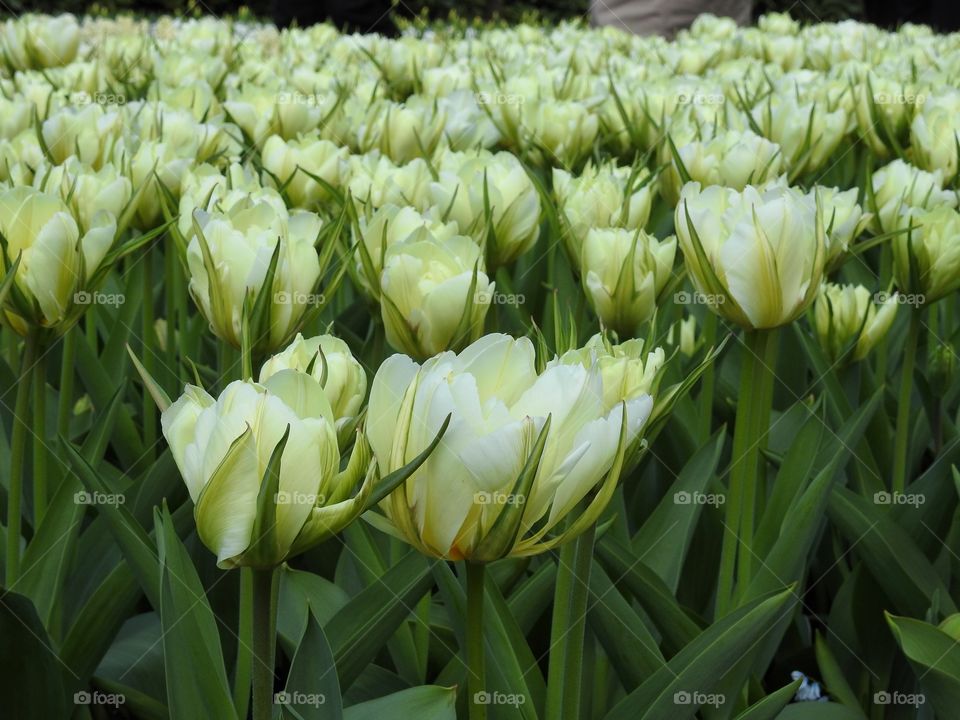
[224, 448]
[846, 319]
[521, 452]
[757, 256]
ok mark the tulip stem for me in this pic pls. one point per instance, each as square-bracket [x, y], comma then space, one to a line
[65, 394]
[751, 424]
[244, 664]
[706, 382]
[148, 332]
[476, 661]
[39, 437]
[903, 404]
[264, 632]
[18, 441]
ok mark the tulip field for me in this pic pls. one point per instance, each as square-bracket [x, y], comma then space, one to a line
[493, 372]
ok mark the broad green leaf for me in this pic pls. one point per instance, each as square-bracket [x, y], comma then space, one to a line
[428, 702]
[312, 691]
[772, 704]
[935, 657]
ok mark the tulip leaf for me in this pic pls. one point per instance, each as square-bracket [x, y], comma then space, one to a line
[769, 708]
[259, 313]
[303, 593]
[935, 657]
[312, 691]
[264, 550]
[359, 630]
[699, 668]
[158, 394]
[502, 536]
[31, 674]
[393, 480]
[9, 278]
[818, 711]
[904, 573]
[428, 702]
[193, 658]
[832, 674]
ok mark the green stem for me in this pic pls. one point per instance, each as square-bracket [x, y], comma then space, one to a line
[39, 436]
[244, 665]
[264, 625]
[170, 311]
[147, 356]
[746, 482]
[18, 441]
[65, 396]
[903, 404]
[707, 381]
[476, 665]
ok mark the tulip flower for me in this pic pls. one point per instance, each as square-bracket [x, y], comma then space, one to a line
[808, 132]
[844, 221]
[926, 258]
[522, 450]
[602, 196]
[305, 168]
[935, 134]
[434, 294]
[898, 187]
[759, 254]
[847, 320]
[624, 273]
[376, 181]
[39, 42]
[401, 131]
[329, 360]
[492, 200]
[251, 249]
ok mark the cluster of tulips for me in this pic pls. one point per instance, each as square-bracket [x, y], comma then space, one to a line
[503, 210]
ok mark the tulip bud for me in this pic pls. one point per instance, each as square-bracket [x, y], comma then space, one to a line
[926, 258]
[602, 196]
[935, 134]
[843, 219]
[229, 448]
[846, 320]
[898, 187]
[230, 260]
[401, 131]
[492, 200]
[688, 336]
[299, 166]
[558, 132]
[205, 187]
[733, 159]
[522, 450]
[808, 132]
[624, 272]
[941, 367]
[88, 132]
[757, 255]
[434, 294]
[329, 360]
[375, 181]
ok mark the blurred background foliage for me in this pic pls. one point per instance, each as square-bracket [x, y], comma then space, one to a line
[506, 10]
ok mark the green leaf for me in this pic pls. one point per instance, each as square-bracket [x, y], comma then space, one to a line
[832, 675]
[312, 691]
[428, 702]
[935, 657]
[818, 711]
[772, 704]
[31, 673]
[699, 668]
[193, 658]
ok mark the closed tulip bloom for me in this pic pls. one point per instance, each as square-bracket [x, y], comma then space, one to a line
[926, 259]
[296, 165]
[558, 132]
[332, 365]
[229, 259]
[733, 159]
[843, 219]
[434, 294]
[935, 133]
[96, 198]
[471, 184]
[401, 131]
[808, 132]
[223, 447]
[626, 371]
[56, 260]
[899, 186]
[206, 187]
[40, 41]
[88, 133]
[602, 196]
[759, 253]
[847, 318]
[624, 272]
[465, 502]
[376, 181]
